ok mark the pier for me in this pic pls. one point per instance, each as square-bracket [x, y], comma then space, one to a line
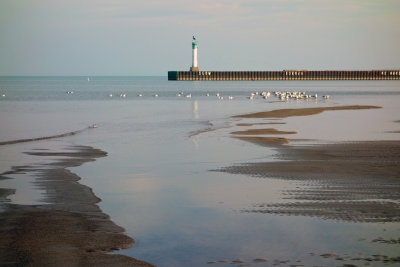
[284, 75]
[194, 74]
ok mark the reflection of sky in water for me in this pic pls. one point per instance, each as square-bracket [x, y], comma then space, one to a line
[26, 194]
[156, 182]
[24, 176]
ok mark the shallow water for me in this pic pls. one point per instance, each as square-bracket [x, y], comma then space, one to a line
[156, 180]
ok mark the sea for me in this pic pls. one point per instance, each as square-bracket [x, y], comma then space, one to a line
[165, 139]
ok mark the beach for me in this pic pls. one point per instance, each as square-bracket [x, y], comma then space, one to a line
[200, 133]
[70, 229]
[175, 181]
[355, 181]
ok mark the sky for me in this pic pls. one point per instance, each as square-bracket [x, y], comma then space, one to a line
[150, 37]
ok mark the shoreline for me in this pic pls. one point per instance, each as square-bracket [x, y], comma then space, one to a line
[348, 181]
[354, 181]
[70, 229]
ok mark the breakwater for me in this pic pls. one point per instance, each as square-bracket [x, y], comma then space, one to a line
[284, 75]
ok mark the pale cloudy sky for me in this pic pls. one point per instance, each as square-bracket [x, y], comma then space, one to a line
[150, 37]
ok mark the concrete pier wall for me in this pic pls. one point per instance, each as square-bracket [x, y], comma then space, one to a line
[284, 75]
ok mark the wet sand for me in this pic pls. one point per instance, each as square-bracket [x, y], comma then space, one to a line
[262, 132]
[11, 142]
[69, 229]
[259, 123]
[352, 181]
[284, 113]
[264, 140]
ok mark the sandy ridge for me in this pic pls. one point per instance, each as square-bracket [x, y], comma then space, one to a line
[352, 181]
[41, 138]
[284, 113]
[69, 231]
[339, 181]
[262, 132]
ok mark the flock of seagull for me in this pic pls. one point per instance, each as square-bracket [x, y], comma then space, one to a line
[283, 96]
[294, 95]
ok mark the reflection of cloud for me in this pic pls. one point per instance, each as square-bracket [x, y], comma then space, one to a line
[139, 184]
[238, 192]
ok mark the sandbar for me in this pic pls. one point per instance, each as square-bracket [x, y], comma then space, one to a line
[69, 229]
[264, 140]
[11, 142]
[262, 132]
[284, 113]
[352, 181]
[259, 123]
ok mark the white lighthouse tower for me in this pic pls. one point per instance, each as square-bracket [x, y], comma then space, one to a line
[194, 67]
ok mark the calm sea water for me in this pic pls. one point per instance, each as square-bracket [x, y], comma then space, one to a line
[155, 181]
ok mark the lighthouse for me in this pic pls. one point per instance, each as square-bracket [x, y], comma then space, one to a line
[194, 67]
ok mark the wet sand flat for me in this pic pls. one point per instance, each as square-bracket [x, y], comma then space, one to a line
[352, 181]
[284, 113]
[259, 123]
[262, 132]
[356, 181]
[264, 140]
[70, 229]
